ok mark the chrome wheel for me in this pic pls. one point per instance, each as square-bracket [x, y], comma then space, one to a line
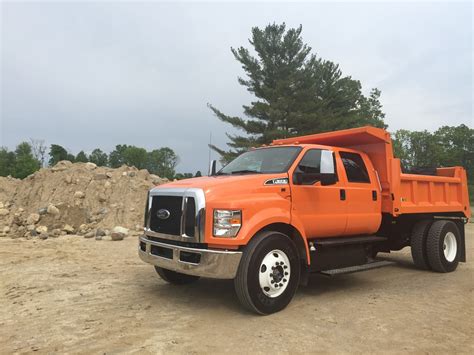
[450, 246]
[274, 273]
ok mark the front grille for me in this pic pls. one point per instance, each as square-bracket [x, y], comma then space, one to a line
[172, 224]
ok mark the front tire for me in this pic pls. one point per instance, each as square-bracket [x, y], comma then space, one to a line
[268, 274]
[174, 277]
[442, 246]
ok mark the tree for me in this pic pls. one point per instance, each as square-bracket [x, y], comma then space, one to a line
[81, 157]
[39, 148]
[98, 157]
[458, 147]
[134, 156]
[198, 173]
[7, 162]
[162, 162]
[297, 92]
[58, 153]
[25, 162]
[116, 157]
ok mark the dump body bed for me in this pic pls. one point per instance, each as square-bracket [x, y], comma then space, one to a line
[445, 192]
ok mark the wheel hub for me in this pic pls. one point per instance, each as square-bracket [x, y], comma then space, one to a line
[450, 246]
[274, 273]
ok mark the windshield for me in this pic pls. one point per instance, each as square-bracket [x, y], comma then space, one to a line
[262, 161]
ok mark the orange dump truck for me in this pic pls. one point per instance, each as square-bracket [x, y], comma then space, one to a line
[324, 203]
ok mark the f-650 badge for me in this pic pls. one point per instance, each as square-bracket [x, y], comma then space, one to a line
[277, 181]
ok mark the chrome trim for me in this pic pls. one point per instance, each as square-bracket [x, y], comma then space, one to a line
[199, 218]
[218, 264]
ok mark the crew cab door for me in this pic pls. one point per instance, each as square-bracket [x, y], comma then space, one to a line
[319, 208]
[363, 199]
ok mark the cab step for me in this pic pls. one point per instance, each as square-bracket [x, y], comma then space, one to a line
[333, 242]
[357, 268]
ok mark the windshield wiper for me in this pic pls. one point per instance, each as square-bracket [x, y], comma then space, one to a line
[245, 171]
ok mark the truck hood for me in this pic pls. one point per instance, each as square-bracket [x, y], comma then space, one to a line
[224, 186]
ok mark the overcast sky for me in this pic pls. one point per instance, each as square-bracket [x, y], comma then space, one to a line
[97, 74]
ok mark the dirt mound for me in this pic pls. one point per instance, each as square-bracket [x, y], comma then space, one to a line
[78, 198]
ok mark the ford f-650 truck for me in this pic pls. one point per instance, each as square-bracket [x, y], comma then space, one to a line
[323, 203]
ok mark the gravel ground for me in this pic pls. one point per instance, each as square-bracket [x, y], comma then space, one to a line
[73, 295]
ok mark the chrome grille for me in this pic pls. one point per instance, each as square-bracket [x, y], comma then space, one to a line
[186, 214]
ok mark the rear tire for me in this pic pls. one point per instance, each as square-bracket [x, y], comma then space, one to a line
[174, 277]
[442, 246]
[418, 244]
[268, 274]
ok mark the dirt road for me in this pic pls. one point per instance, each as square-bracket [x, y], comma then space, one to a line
[78, 295]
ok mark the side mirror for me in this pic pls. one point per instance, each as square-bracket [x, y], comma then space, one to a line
[212, 167]
[328, 170]
[328, 179]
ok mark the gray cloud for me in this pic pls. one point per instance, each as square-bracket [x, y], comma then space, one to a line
[87, 75]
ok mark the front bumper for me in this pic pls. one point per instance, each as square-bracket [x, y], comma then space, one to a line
[218, 264]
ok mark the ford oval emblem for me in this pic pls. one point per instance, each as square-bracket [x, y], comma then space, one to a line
[163, 214]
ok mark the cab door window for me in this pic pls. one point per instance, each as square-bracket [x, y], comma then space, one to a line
[356, 170]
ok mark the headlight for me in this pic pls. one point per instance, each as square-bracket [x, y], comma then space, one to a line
[227, 223]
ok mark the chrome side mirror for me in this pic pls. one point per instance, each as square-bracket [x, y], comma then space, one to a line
[212, 167]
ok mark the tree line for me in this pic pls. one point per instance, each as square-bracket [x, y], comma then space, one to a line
[29, 157]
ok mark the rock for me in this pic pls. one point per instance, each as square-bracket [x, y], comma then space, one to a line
[6, 230]
[21, 210]
[100, 232]
[107, 184]
[41, 229]
[109, 175]
[17, 219]
[33, 233]
[43, 236]
[33, 218]
[68, 229]
[68, 179]
[102, 197]
[90, 166]
[2, 205]
[52, 209]
[79, 194]
[30, 227]
[100, 177]
[132, 174]
[90, 234]
[83, 229]
[118, 233]
[4, 212]
[124, 173]
[62, 165]
[56, 232]
[42, 211]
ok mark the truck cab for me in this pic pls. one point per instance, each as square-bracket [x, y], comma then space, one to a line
[324, 203]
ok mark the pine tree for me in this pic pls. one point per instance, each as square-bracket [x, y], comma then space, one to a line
[81, 157]
[297, 92]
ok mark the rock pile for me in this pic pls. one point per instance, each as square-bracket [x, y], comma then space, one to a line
[81, 198]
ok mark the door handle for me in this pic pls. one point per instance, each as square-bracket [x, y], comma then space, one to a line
[342, 194]
[374, 195]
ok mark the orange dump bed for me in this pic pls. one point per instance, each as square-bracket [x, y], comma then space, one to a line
[401, 193]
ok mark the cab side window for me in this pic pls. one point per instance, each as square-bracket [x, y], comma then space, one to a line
[356, 170]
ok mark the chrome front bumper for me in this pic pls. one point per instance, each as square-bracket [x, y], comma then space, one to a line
[218, 264]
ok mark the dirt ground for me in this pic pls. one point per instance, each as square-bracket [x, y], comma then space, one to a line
[76, 295]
